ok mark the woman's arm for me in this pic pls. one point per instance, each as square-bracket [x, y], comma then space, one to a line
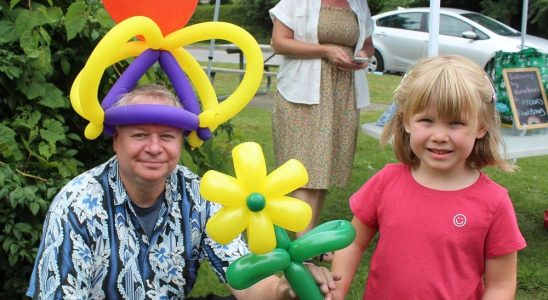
[500, 277]
[283, 43]
[367, 50]
[347, 260]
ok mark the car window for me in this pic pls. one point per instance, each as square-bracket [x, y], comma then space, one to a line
[492, 24]
[408, 21]
[453, 26]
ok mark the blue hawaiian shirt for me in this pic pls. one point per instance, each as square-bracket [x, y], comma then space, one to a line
[93, 246]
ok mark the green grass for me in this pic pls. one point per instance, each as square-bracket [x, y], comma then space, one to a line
[528, 189]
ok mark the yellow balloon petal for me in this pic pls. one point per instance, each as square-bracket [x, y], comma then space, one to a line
[221, 188]
[289, 213]
[260, 234]
[286, 178]
[250, 166]
[227, 223]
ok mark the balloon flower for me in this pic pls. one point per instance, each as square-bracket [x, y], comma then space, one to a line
[256, 202]
[140, 37]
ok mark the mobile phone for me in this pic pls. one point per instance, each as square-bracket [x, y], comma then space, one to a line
[361, 60]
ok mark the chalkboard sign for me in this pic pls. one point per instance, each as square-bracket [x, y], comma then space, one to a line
[527, 97]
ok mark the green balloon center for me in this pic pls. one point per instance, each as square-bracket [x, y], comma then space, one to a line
[256, 202]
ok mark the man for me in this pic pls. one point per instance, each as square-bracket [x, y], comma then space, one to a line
[134, 227]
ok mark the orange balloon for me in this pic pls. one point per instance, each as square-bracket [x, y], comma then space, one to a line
[170, 15]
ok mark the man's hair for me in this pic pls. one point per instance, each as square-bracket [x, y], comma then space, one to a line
[154, 93]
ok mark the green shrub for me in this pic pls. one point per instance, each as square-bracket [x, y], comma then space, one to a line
[42, 48]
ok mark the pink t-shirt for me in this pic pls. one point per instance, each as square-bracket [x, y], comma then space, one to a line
[432, 244]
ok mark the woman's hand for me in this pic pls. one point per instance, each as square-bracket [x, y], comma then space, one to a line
[338, 56]
[361, 65]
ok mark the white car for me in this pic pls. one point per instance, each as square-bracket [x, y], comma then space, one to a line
[401, 37]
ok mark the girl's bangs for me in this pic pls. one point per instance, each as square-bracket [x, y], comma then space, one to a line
[449, 93]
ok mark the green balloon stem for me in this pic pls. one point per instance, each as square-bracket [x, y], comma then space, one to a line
[302, 282]
[282, 238]
[256, 202]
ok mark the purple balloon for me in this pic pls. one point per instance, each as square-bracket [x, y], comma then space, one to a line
[185, 118]
[180, 82]
[204, 133]
[150, 114]
[183, 89]
[130, 76]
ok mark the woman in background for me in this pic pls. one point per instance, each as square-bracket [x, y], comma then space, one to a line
[321, 87]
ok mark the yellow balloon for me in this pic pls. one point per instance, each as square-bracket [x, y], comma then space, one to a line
[100, 59]
[131, 49]
[75, 95]
[289, 213]
[280, 183]
[260, 233]
[265, 204]
[250, 166]
[115, 47]
[211, 117]
[198, 77]
[221, 188]
[204, 88]
[227, 223]
[194, 140]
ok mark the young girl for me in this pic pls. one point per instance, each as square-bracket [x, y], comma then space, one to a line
[446, 231]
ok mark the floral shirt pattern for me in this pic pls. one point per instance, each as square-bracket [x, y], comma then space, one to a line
[93, 246]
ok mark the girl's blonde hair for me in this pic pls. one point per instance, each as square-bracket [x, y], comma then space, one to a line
[460, 89]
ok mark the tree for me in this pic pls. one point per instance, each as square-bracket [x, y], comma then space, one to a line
[256, 18]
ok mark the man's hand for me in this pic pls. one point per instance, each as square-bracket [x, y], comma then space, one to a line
[323, 277]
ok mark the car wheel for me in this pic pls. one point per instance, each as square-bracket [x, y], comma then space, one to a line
[376, 64]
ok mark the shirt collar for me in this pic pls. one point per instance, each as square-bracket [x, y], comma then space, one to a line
[119, 191]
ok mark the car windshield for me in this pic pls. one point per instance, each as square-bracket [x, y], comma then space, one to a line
[492, 24]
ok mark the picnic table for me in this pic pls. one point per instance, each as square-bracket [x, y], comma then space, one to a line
[270, 61]
[517, 146]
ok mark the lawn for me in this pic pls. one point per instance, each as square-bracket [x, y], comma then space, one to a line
[528, 189]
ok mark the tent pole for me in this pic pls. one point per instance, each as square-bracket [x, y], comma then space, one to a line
[434, 28]
[212, 42]
[524, 22]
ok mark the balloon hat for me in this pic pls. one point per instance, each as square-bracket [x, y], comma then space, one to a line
[161, 39]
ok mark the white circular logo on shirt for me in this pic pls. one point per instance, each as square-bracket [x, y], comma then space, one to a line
[459, 220]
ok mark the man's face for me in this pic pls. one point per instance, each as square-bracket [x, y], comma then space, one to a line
[147, 153]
